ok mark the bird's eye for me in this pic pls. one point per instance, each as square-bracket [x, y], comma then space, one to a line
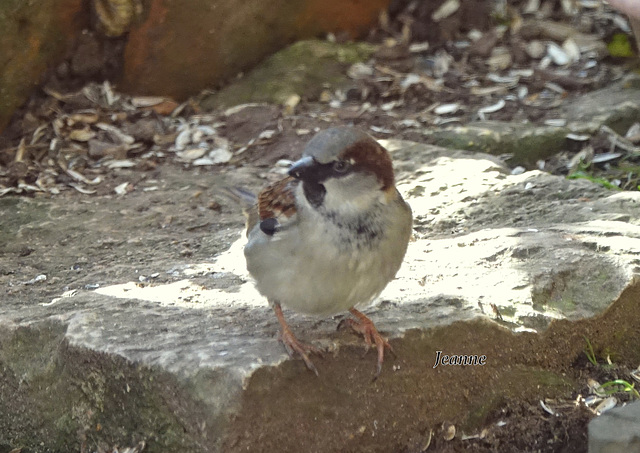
[340, 166]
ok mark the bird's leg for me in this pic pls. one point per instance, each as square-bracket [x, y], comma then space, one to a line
[365, 327]
[292, 344]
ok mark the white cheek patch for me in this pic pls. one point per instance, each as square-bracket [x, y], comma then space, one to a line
[351, 193]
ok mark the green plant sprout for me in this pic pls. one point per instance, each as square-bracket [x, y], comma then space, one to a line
[602, 181]
[588, 350]
[620, 385]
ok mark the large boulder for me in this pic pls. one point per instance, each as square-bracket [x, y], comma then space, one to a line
[183, 46]
[303, 69]
[34, 37]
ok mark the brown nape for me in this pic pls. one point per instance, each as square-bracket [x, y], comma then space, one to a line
[371, 156]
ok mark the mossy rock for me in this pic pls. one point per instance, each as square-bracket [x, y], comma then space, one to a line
[56, 397]
[527, 143]
[304, 68]
[34, 37]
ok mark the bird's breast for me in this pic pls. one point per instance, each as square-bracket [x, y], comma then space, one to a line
[326, 266]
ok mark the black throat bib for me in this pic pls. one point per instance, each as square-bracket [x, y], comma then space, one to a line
[314, 192]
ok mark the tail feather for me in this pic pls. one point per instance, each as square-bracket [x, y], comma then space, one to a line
[248, 201]
[241, 196]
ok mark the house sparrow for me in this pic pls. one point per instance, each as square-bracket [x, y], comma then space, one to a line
[330, 236]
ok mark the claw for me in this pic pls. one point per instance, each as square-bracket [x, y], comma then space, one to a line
[367, 329]
[295, 346]
[292, 344]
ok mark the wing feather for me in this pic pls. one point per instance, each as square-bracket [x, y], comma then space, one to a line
[276, 201]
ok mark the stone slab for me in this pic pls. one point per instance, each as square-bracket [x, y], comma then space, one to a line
[169, 358]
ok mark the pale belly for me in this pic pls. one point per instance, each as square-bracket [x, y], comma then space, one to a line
[320, 277]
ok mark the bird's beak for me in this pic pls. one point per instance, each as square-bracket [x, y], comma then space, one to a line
[301, 168]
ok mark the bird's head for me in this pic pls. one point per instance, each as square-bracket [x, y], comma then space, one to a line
[344, 169]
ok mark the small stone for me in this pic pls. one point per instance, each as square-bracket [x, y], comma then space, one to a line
[359, 71]
[449, 431]
[616, 430]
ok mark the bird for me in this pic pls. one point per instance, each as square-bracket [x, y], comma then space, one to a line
[329, 236]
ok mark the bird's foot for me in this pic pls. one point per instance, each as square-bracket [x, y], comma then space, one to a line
[292, 344]
[365, 327]
[295, 346]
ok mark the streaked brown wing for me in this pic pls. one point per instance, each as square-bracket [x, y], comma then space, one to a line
[275, 201]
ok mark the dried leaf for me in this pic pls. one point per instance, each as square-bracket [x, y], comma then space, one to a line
[499, 60]
[82, 190]
[82, 135]
[20, 153]
[572, 50]
[220, 156]
[166, 139]
[535, 49]
[109, 95]
[166, 107]
[291, 103]
[116, 133]
[492, 108]
[6, 190]
[146, 101]
[555, 122]
[557, 54]
[267, 134]
[122, 189]
[233, 110]
[191, 154]
[446, 109]
[606, 405]
[84, 118]
[124, 163]
[359, 71]
[445, 10]
[203, 162]
[39, 133]
[487, 91]
[183, 139]
[605, 157]
[78, 177]
[546, 408]
[419, 47]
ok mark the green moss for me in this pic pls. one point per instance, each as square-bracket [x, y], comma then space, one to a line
[54, 397]
[303, 68]
[527, 143]
[520, 383]
[620, 46]
[594, 179]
